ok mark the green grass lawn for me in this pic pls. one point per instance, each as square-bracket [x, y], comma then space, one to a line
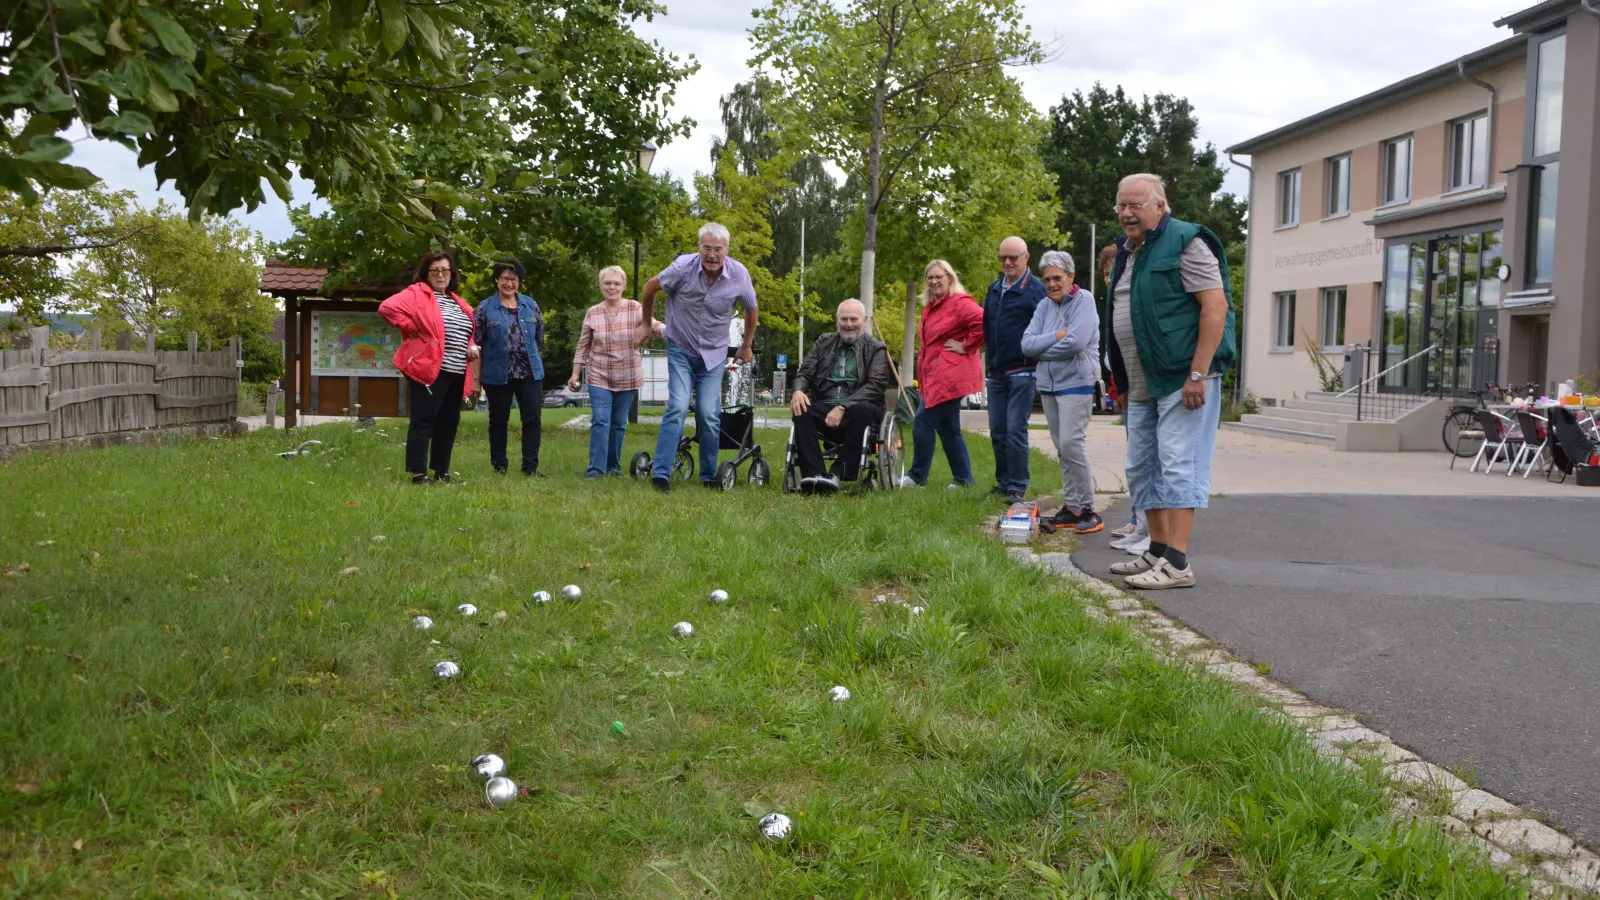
[210, 687]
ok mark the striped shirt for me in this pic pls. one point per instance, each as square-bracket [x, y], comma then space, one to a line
[607, 347]
[457, 334]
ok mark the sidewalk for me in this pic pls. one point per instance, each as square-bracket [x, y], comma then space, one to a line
[1254, 464]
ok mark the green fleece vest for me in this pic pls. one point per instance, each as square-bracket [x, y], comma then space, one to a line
[1166, 318]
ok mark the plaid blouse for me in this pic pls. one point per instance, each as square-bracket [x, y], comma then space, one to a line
[607, 346]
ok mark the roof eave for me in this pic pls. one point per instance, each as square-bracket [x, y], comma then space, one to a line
[1539, 16]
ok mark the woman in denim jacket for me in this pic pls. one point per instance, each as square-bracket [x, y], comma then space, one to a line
[511, 334]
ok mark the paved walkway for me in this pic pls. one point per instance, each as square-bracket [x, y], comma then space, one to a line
[1254, 464]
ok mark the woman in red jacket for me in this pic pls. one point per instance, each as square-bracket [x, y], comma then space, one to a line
[948, 369]
[437, 342]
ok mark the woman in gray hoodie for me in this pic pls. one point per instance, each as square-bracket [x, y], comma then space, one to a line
[1064, 336]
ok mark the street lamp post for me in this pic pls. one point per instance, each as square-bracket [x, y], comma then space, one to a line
[647, 155]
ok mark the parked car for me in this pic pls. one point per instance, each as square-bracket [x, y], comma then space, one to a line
[562, 397]
[980, 400]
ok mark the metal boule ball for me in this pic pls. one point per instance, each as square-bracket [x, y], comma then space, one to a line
[572, 592]
[719, 596]
[488, 766]
[447, 670]
[467, 609]
[541, 596]
[775, 826]
[422, 623]
[839, 693]
[683, 630]
[917, 611]
[500, 791]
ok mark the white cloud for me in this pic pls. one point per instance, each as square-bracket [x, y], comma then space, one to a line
[1248, 66]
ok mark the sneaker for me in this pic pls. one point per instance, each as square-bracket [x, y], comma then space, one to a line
[442, 478]
[419, 478]
[954, 486]
[1125, 530]
[808, 484]
[662, 485]
[1161, 577]
[1143, 564]
[1015, 497]
[533, 474]
[1136, 548]
[907, 482]
[499, 470]
[592, 476]
[826, 484]
[713, 485]
[997, 491]
[1131, 538]
[1089, 523]
[1064, 516]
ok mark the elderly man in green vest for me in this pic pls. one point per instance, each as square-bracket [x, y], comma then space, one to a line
[1171, 337]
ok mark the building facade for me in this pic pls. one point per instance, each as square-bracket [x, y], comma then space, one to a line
[1447, 219]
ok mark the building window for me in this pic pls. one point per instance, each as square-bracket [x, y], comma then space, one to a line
[1333, 301]
[1338, 180]
[1395, 170]
[1542, 230]
[1288, 198]
[1283, 321]
[1469, 153]
[1548, 90]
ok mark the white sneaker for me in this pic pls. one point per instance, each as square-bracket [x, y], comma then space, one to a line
[952, 486]
[1129, 539]
[1161, 577]
[1143, 564]
[1137, 548]
[1125, 530]
[906, 482]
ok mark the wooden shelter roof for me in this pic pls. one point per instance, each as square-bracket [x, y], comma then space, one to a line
[282, 278]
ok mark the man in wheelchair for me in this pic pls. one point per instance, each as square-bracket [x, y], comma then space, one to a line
[838, 396]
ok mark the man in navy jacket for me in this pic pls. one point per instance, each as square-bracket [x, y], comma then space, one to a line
[1007, 310]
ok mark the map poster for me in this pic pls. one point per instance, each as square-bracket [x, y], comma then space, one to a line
[353, 343]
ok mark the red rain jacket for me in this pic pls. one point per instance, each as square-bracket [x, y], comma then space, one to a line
[415, 312]
[944, 375]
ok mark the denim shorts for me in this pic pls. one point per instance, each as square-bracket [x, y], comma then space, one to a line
[1170, 450]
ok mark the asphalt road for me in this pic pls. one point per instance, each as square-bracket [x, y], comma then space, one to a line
[1468, 630]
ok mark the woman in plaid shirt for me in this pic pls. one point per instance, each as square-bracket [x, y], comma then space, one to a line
[610, 351]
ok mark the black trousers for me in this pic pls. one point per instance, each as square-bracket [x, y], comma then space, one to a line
[435, 415]
[808, 428]
[530, 402]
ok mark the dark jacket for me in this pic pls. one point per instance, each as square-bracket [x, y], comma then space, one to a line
[494, 334]
[1006, 314]
[1166, 318]
[872, 369]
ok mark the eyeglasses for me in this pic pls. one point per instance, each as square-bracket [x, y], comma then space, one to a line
[1052, 279]
[439, 270]
[1011, 257]
[1131, 207]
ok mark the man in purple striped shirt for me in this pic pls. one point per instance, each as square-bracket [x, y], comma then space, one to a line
[703, 289]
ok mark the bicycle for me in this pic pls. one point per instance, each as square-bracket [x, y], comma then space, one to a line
[1461, 433]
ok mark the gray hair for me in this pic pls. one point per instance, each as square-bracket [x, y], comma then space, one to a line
[1058, 258]
[714, 230]
[1158, 188]
[612, 270]
[859, 305]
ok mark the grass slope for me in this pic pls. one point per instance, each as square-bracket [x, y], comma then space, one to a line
[195, 702]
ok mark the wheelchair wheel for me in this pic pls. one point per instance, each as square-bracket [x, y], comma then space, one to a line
[640, 467]
[727, 476]
[760, 473]
[891, 454]
[683, 466]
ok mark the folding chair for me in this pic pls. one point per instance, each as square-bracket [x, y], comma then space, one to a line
[1532, 428]
[1496, 437]
[1571, 449]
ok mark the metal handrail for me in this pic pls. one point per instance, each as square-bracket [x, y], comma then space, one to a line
[1365, 383]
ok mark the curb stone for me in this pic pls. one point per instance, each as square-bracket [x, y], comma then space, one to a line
[1509, 836]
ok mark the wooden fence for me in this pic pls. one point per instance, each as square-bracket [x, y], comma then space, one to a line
[52, 395]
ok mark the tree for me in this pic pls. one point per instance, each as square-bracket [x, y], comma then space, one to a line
[32, 235]
[1095, 139]
[172, 276]
[877, 86]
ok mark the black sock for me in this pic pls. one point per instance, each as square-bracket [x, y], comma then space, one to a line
[1178, 558]
[1157, 549]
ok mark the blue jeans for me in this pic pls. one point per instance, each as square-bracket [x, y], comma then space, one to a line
[686, 374]
[943, 420]
[608, 422]
[1170, 450]
[1010, 405]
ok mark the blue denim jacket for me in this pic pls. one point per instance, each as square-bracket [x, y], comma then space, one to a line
[494, 330]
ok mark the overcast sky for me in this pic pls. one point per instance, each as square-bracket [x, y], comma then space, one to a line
[1248, 66]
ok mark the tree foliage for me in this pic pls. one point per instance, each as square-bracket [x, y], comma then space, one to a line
[31, 236]
[1095, 139]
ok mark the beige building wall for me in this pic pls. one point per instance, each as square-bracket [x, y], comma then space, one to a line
[1343, 251]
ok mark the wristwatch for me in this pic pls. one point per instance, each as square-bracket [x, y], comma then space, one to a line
[1197, 376]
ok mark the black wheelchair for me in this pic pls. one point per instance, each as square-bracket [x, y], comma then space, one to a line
[883, 458]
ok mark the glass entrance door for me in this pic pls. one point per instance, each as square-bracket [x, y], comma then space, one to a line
[1433, 290]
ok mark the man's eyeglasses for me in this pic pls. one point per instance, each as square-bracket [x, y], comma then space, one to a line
[1011, 257]
[1131, 207]
[439, 270]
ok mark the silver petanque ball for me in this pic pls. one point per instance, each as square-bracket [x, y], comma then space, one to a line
[719, 596]
[572, 592]
[683, 630]
[541, 596]
[488, 766]
[467, 609]
[917, 611]
[422, 623]
[839, 693]
[775, 826]
[500, 791]
[447, 670]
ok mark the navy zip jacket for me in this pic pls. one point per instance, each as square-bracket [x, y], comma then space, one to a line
[1006, 314]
